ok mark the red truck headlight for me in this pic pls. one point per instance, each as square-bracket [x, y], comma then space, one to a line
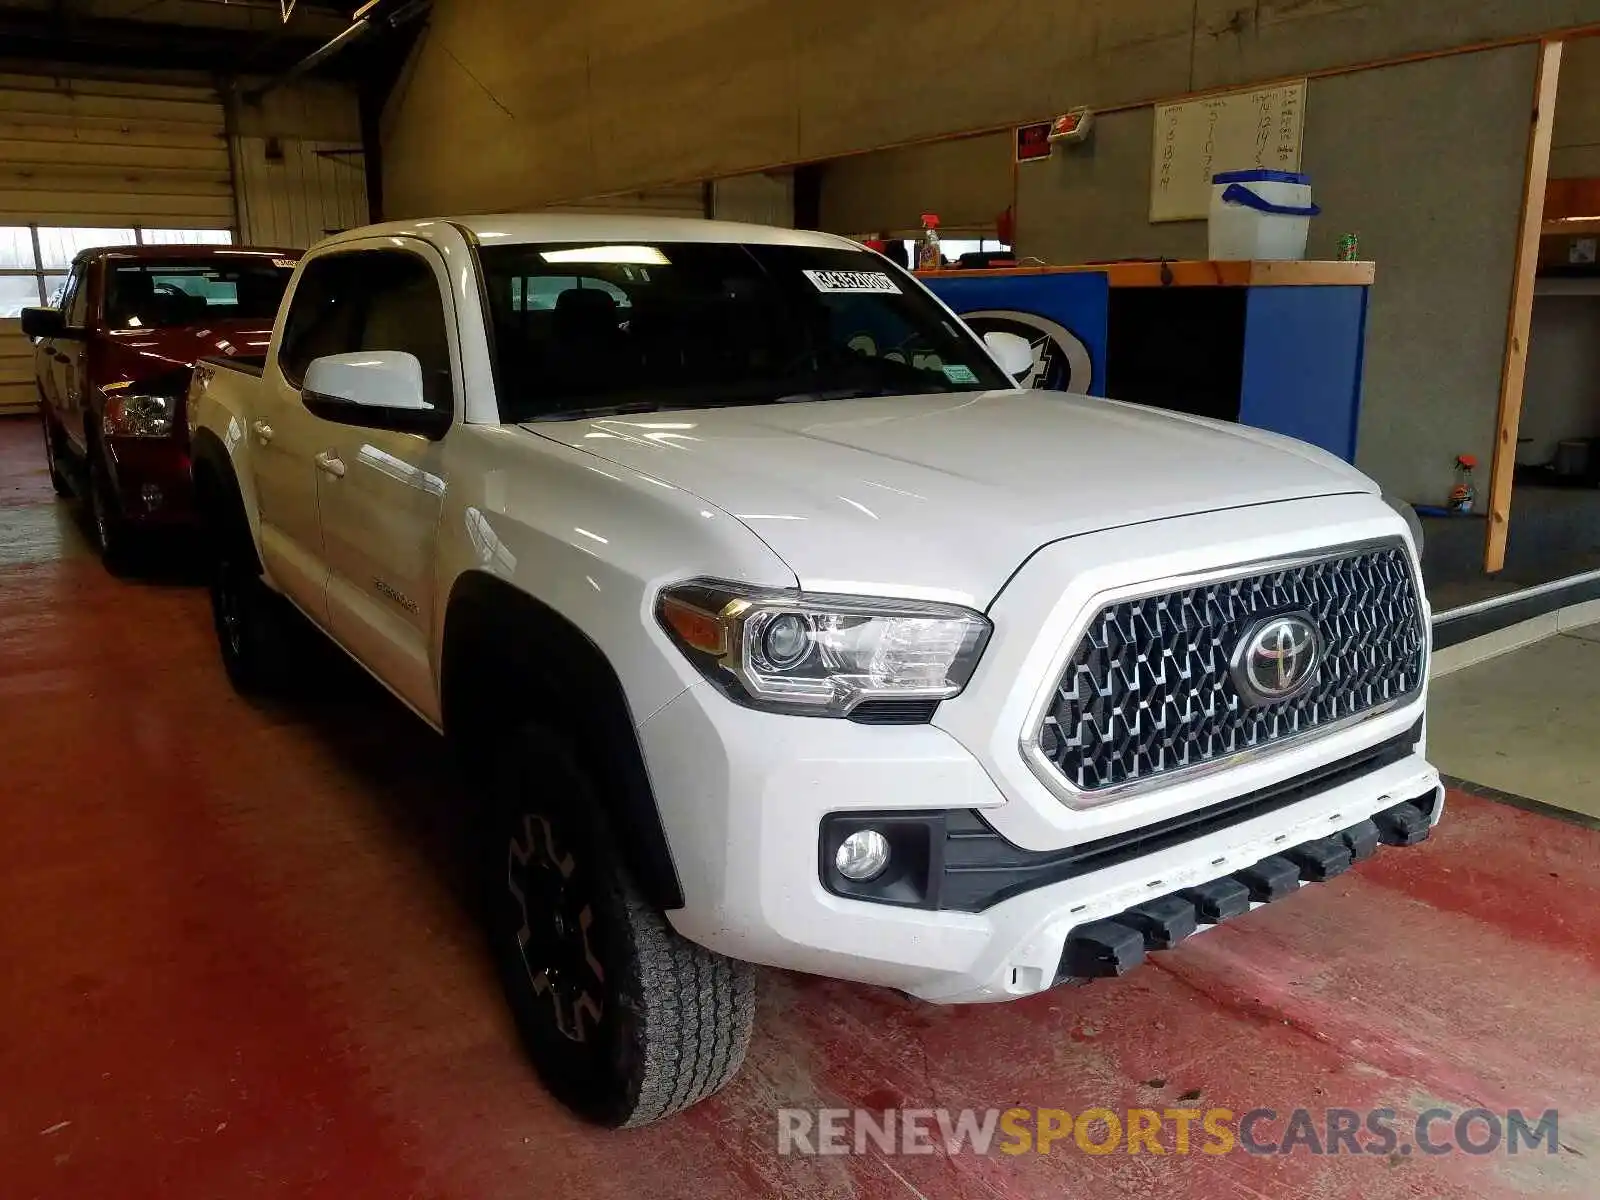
[139, 416]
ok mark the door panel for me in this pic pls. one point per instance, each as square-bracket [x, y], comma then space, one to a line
[380, 492]
[65, 363]
[379, 525]
[284, 441]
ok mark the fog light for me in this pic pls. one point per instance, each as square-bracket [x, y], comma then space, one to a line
[863, 855]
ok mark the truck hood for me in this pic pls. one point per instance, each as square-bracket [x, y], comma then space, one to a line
[947, 495]
[140, 354]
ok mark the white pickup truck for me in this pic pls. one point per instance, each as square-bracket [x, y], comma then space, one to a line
[790, 631]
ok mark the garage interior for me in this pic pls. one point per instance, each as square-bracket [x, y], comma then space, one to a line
[243, 953]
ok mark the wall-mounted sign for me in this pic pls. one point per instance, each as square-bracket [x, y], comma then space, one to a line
[1257, 129]
[1072, 127]
[1033, 142]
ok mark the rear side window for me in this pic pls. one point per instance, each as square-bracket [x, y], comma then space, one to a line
[76, 298]
[369, 300]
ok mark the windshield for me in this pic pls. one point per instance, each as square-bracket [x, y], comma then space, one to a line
[587, 328]
[154, 295]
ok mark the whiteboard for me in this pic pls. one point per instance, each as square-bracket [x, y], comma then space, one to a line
[1231, 131]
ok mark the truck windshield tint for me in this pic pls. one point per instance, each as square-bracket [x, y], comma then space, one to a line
[589, 328]
[155, 295]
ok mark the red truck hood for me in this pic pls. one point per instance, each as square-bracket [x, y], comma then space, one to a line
[140, 354]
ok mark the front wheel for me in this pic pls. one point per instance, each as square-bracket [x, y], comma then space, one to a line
[112, 536]
[626, 1021]
[52, 455]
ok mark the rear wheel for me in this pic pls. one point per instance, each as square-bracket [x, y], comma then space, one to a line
[251, 620]
[626, 1021]
[52, 455]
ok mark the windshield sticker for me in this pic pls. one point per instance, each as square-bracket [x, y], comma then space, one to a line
[285, 264]
[853, 281]
[956, 373]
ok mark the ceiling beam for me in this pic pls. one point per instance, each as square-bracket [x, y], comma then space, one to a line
[39, 36]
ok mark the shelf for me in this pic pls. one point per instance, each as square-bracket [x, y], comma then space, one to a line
[1572, 226]
[1208, 274]
[1569, 285]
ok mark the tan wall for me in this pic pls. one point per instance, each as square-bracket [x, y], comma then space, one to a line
[966, 181]
[1575, 153]
[1431, 184]
[508, 104]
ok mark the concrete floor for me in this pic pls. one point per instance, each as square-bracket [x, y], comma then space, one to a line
[239, 961]
[1527, 722]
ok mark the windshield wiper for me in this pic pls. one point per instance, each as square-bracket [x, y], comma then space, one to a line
[631, 408]
[855, 393]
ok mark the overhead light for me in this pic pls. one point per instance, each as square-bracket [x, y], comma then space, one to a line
[636, 256]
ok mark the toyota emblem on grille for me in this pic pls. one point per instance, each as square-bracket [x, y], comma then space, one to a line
[1277, 659]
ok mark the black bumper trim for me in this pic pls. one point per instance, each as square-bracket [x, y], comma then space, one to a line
[1115, 945]
[981, 868]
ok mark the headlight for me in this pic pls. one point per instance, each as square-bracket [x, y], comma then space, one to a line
[822, 655]
[138, 416]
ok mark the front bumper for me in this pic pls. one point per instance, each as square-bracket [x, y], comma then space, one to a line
[744, 795]
[152, 481]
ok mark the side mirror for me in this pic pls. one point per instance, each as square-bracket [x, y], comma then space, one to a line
[373, 389]
[1012, 351]
[41, 323]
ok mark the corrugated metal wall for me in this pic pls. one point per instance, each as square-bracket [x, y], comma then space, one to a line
[765, 198]
[311, 189]
[90, 152]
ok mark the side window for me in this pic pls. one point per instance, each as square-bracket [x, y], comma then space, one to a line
[369, 300]
[323, 315]
[404, 311]
[75, 297]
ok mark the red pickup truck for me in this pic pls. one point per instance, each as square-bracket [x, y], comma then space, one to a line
[113, 364]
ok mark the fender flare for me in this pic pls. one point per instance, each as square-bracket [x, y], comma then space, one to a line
[220, 493]
[507, 658]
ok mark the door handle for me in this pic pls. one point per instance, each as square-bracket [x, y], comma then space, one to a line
[263, 432]
[330, 464]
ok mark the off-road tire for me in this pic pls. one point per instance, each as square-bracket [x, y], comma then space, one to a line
[674, 1018]
[251, 620]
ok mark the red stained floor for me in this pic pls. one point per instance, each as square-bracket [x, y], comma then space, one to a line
[238, 961]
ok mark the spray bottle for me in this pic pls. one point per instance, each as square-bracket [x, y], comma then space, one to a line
[929, 257]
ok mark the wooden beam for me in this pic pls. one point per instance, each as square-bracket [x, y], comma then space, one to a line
[1514, 367]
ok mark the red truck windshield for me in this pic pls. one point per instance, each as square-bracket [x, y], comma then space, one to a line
[155, 295]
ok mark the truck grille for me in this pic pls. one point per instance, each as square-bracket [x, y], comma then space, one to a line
[1149, 688]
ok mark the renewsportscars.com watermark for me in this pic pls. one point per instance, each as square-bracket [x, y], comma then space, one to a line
[1015, 1131]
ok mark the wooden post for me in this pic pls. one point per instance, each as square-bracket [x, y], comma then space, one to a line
[1514, 369]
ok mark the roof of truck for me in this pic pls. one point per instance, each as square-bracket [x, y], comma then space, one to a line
[515, 228]
[162, 252]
